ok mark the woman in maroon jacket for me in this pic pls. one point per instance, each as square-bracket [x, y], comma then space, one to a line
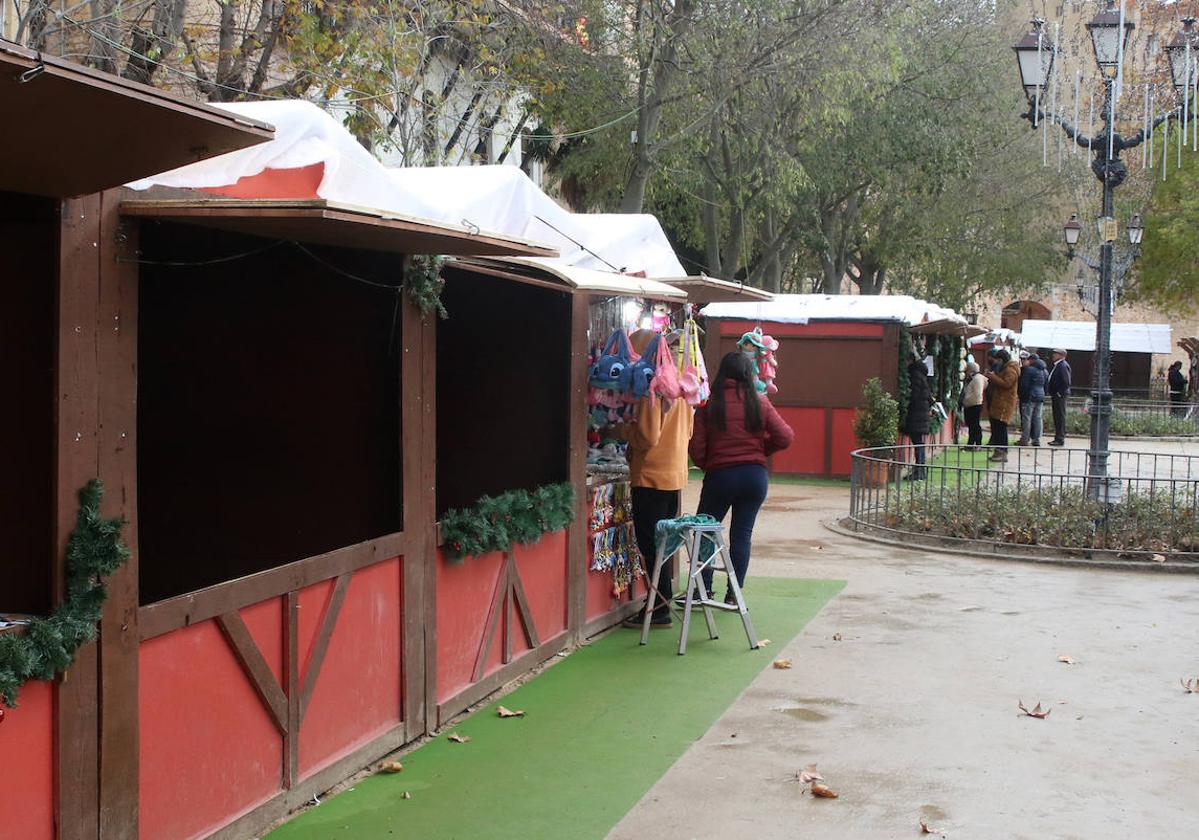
[734, 433]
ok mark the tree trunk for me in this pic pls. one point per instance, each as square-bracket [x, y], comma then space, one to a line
[156, 44]
[105, 34]
[711, 220]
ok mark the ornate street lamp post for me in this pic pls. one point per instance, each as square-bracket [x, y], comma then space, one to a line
[1035, 54]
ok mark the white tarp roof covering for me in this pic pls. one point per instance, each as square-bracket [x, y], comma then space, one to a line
[304, 135]
[505, 199]
[1080, 335]
[495, 199]
[799, 309]
[1002, 335]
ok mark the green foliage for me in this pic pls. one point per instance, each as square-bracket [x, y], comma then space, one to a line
[48, 645]
[1168, 272]
[496, 523]
[423, 284]
[876, 423]
[1124, 423]
[902, 378]
[1158, 520]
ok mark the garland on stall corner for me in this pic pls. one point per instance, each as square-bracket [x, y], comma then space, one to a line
[48, 645]
[496, 523]
[423, 283]
[903, 382]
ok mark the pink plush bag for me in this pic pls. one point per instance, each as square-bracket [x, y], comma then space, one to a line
[666, 379]
[693, 376]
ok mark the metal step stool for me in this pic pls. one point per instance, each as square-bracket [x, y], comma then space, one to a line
[717, 559]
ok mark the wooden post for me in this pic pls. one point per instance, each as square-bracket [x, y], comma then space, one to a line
[76, 462]
[576, 534]
[116, 348]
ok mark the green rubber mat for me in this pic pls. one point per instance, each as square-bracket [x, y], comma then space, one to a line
[600, 728]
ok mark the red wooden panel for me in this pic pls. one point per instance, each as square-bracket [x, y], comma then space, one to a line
[806, 455]
[542, 568]
[265, 623]
[813, 329]
[276, 183]
[358, 690]
[209, 750]
[464, 592]
[27, 756]
[313, 600]
[843, 441]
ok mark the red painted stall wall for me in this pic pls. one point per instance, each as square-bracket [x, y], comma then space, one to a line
[600, 600]
[464, 594]
[27, 759]
[358, 694]
[276, 183]
[806, 453]
[209, 749]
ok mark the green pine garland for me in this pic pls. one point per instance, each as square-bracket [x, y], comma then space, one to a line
[496, 523]
[903, 382]
[48, 645]
[424, 284]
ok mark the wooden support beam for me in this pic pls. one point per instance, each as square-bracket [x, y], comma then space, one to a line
[576, 533]
[256, 668]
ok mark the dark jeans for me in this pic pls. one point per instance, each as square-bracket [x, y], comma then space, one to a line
[974, 415]
[918, 449]
[1178, 405]
[649, 506]
[1059, 418]
[742, 488]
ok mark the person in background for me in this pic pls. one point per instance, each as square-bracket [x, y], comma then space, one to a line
[1178, 390]
[657, 457]
[1058, 390]
[1002, 387]
[1033, 379]
[1022, 396]
[735, 432]
[972, 403]
[915, 422]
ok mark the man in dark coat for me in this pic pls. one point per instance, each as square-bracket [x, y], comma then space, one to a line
[915, 422]
[1033, 380]
[1178, 390]
[1058, 390]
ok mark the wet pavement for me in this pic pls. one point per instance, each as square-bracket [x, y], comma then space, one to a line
[904, 692]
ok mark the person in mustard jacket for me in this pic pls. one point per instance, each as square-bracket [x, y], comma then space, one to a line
[657, 456]
[1002, 386]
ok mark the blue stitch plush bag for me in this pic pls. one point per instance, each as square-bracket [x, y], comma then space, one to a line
[613, 371]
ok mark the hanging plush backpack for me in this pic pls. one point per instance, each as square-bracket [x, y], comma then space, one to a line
[643, 371]
[613, 370]
[666, 378]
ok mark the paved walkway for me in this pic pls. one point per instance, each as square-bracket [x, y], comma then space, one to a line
[912, 714]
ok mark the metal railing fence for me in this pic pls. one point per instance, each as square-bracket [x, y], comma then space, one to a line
[1039, 501]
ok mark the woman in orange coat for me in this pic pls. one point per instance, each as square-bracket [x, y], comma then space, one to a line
[1001, 386]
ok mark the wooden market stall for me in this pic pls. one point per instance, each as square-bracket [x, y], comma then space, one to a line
[828, 347]
[1133, 347]
[258, 397]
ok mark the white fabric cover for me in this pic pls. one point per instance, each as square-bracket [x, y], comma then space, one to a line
[495, 199]
[799, 309]
[304, 135]
[1080, 335]
[505, 199]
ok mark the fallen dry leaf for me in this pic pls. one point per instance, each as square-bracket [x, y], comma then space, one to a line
[817, 548]
[1159, 558]
[926, 829]
[391, 767]
[761, 643]
[1036, 711]
[782, 664]
[836, 637]
[505, 712]
[1190, 686]
[809, 775]
[459, 739]
[405, 795]
[1068, 660]
[822, 791]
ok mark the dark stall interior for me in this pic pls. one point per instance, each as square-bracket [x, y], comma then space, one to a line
[503, 388]
[268, 404]
[28, 340]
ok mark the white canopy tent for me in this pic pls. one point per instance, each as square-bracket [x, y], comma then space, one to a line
[1080, 335]
[800, 309]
